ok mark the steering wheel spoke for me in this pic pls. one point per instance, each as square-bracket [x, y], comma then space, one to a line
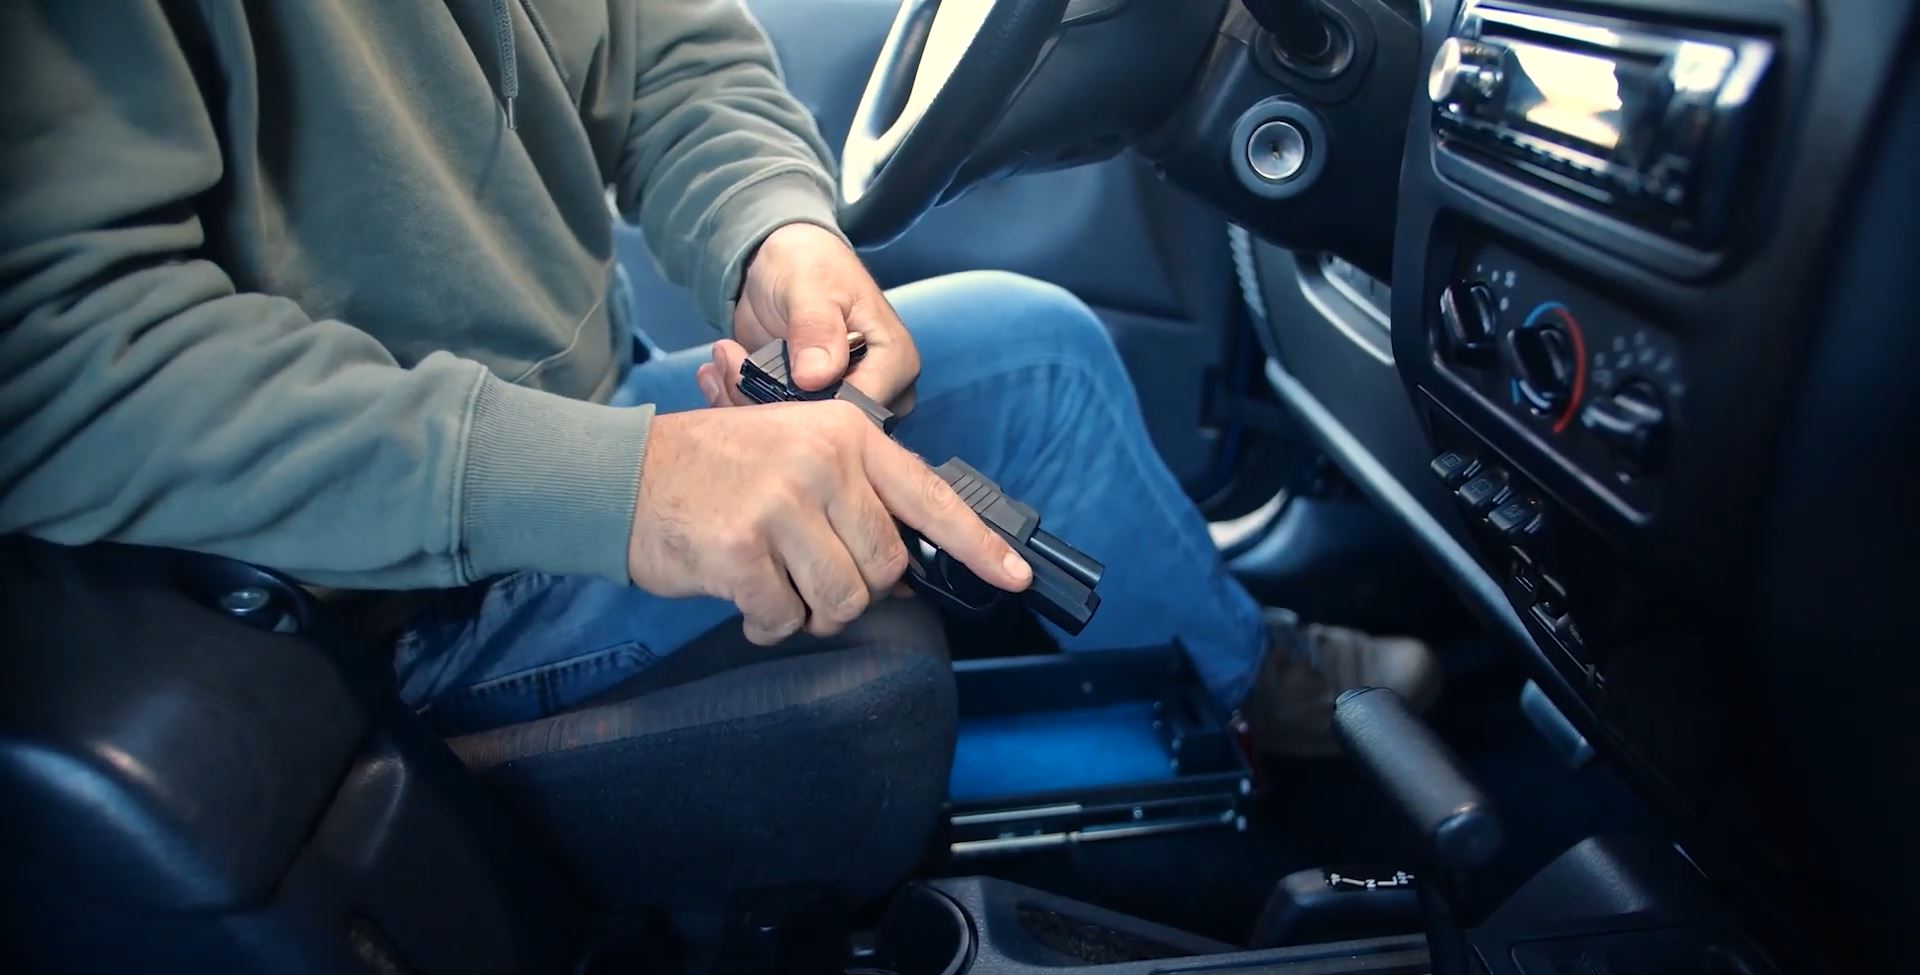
[965, 91]
[946, 71]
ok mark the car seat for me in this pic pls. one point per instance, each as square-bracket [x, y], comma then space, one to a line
[201, 770]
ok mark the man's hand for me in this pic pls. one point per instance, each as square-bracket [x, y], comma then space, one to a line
[807, 286]
[788, 510]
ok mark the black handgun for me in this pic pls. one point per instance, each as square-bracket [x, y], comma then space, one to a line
[764, 379]
[1064, 578]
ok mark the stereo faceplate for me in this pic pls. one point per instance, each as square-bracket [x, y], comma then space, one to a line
[1647, 123]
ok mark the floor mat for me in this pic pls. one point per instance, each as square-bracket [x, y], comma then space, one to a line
[1049, 750]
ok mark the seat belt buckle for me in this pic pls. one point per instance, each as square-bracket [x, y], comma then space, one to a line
[1064, 578]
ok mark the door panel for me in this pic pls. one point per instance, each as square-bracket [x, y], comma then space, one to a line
[1154, 264]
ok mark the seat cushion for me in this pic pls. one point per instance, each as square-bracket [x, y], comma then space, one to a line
[730, 767]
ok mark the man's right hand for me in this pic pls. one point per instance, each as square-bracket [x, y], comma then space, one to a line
[788, 510]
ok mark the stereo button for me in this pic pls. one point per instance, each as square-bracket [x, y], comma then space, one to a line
[1464, 71]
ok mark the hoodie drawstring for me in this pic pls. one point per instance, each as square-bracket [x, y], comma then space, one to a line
[509, 60]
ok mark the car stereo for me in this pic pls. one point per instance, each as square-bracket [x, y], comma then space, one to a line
[1646, 122]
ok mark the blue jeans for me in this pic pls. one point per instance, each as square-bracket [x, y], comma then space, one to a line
[1019, 379]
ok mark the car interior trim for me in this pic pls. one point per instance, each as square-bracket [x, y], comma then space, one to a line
[1379, 347]
[1365, 304]
[1373, 478]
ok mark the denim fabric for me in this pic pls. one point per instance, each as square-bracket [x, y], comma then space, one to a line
[1018, 378]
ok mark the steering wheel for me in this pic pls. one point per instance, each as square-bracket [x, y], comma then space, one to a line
[968, 91]
[945, 74]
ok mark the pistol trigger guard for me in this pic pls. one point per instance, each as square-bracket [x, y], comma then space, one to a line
[1065, 579]
[936, 580]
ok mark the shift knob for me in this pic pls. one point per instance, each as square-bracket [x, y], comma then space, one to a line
[1425, 781]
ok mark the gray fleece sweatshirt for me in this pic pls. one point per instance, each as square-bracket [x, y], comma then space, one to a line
[320, 284]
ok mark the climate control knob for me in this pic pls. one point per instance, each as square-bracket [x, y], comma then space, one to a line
[1632, 422]
[1542, 357]
[1466, 312]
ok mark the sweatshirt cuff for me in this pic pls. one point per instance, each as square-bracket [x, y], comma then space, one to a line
[739, 224]
[549, 483]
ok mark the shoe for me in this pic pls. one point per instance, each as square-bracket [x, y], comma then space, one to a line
[1290, 710]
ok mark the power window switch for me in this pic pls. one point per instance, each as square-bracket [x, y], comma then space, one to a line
[1516, 519]
[1453, 467]
[1481, 492]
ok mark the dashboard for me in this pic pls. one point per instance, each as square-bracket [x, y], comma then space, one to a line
[1638, 385]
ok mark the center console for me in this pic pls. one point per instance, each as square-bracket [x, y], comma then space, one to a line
[1613, 228]
[1608, 904]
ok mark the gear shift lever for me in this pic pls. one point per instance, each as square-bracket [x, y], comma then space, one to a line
[1458, 830]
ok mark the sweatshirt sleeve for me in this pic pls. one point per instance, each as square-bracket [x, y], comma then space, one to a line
[144, 399]
[718, 154]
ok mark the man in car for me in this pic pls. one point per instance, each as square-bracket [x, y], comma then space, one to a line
[329, 287]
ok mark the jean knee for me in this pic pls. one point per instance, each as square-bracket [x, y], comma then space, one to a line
[985, 326]
[1032, 313]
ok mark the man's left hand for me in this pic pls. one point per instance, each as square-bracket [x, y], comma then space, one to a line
[805, 285]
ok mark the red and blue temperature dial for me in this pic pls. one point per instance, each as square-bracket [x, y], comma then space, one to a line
[1547, 357]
